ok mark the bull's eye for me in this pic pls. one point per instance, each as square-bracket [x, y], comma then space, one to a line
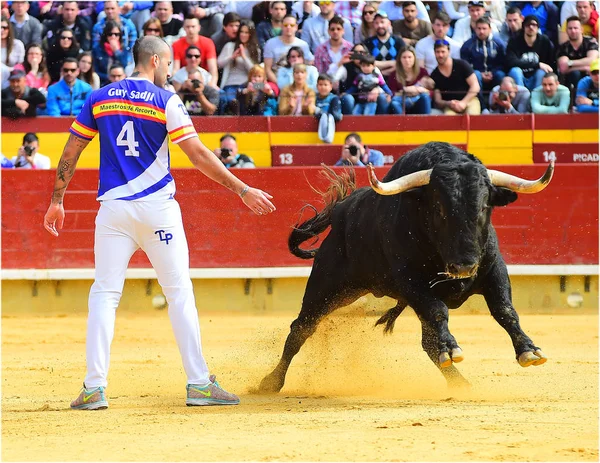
[485, 208]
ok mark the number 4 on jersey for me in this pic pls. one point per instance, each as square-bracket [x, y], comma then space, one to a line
[126, 138]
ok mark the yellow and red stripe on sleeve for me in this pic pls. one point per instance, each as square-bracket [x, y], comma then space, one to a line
[80, 130]
[182, 133]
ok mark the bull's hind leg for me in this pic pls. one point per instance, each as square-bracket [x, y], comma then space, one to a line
[321, 298]
[431, 343]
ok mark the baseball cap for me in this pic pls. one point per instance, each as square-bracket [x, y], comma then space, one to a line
[531, 18]
[481, 4]
[16, 74]
[381, 14]
[595, 65]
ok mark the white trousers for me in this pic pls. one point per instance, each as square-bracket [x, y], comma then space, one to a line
[156, 227]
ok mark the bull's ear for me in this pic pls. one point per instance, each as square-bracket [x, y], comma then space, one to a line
[502, 196]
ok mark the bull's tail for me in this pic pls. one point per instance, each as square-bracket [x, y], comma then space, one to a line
[389, 318]
[340, 186]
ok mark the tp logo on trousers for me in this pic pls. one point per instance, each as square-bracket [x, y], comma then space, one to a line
[163, 236]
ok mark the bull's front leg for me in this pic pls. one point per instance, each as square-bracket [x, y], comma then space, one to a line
[498, 296]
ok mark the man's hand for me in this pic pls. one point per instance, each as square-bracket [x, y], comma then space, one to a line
[200, 13]
[487, 76]
[22, 105]
[546, 68]
[200, 89]
[258, 201]
[126, 8]
[54, 218]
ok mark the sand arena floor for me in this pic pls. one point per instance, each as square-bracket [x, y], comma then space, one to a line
[351, 394]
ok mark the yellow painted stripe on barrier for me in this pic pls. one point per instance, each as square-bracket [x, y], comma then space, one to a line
[566, 136]
[500, 155]
[500, 139]
[255, 145]
[372, 138]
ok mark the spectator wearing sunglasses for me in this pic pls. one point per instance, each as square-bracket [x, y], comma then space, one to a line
[111, 51]
[66, 97]
[65, 47]
[315, 31]
[587, 90]
[69, 18]
[128, 30]
[153, 27]
[193, 57]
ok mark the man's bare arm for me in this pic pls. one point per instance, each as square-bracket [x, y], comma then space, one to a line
[66, 166]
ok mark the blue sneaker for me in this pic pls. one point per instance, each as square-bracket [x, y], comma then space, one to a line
[213, 394]
[90, 399]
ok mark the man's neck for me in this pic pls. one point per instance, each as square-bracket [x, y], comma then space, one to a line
[168, 20]
[577, 42]
[530, 40]
[412, 25]
[65, 23]
[276, 24]
[384, 38]
[192, 40]
[139, 73]
[21, 18]
[287, 40]
[72, 84]
[335, 44]
[447, 66]
[18, 94]
[328, 16]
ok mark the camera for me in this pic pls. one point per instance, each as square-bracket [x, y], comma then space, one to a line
[258, 85]
[196, 83]
[356, 55]
[503, 95]
[28, 150]
[353, 150]
[225, 152]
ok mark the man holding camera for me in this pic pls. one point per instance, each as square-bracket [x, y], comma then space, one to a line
[229, 156]
[28, 157]
[355, 153]
[509, 98]
[199, 99]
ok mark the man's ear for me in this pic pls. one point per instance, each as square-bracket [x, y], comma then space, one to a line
[502, 196]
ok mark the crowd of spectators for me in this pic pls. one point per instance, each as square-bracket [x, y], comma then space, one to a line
[321, 58]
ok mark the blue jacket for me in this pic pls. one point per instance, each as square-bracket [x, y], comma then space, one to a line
[130, 34]
[486, 55]
[67, 101]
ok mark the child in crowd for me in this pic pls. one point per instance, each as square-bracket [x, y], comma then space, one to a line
[257, 97]
[366, 82]
[328, 108]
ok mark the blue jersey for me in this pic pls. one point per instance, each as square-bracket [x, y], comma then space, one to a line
[135, 119]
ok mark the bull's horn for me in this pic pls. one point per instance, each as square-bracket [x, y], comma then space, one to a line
[414, 180]
[521, 185]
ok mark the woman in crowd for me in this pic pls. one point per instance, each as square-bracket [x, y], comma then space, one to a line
[65, 47]
[257, 98]
[298, 98]
[111, 51]
[13, 50]
[236, 60]
[411, 85]
[285, 74]
[367, 28]
[35, 68]
[86, 70]
[153, 27]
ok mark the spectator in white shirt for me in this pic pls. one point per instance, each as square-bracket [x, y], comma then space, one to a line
[424, 47]
[464, 28]
[315, 31]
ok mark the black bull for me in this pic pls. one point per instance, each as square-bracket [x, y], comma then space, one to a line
[430, 248]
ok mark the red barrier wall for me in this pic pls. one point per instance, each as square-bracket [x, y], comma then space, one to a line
[557, 226]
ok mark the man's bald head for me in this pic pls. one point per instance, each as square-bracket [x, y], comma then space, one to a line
[148, 46]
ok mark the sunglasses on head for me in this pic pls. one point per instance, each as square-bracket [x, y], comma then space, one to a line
[441, 42]
[190, 56]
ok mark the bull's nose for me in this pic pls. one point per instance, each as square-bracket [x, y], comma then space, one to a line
[462, 269]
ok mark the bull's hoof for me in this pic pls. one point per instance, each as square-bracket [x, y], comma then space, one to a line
[457, 355]
[529, 358]
[270, 384]
[445, 360]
